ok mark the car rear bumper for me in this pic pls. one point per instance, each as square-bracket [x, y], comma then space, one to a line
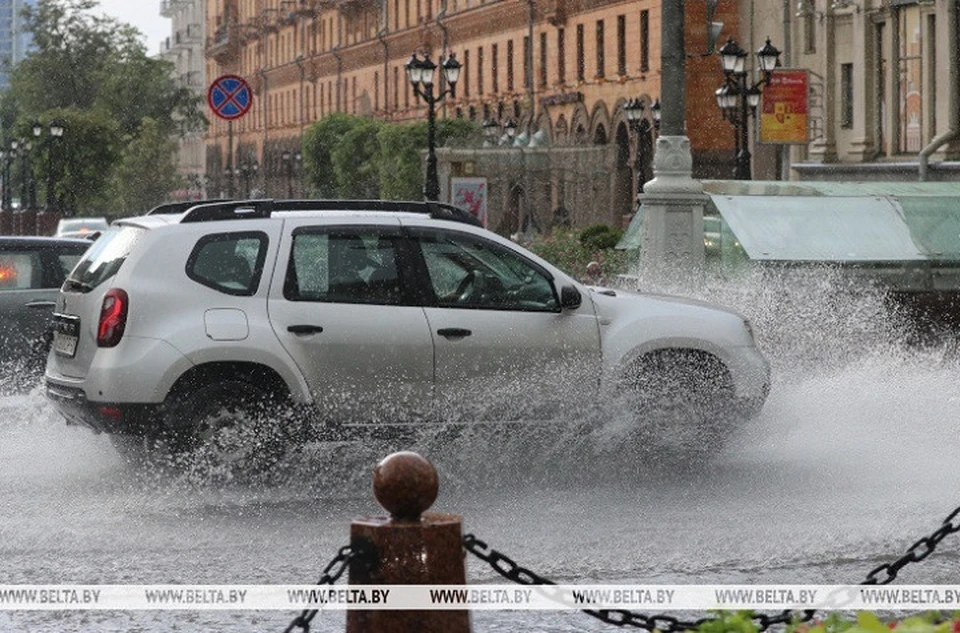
[102, 417]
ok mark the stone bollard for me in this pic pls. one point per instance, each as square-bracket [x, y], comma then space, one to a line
[411, 548]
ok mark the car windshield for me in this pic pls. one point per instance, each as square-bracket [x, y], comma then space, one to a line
[81, 225]
[104, 258]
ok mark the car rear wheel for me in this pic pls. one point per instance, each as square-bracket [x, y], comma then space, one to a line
[681, 401]
[230, 428]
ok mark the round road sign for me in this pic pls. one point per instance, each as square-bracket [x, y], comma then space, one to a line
[230, 97]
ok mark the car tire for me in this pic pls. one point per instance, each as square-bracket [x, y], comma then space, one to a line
[232, 427]
[682, 401]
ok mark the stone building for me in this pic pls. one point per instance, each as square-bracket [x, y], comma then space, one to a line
[885, 76]
[185, 49]
[561, 69]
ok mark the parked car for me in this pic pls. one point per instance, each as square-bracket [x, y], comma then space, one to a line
[81, 227]
[367, 316]
[31, 272]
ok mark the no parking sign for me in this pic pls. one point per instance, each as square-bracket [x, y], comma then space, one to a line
[230, 97]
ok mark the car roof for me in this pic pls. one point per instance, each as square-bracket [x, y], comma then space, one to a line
[21, 241]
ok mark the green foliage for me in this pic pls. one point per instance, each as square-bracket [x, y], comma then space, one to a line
[566, 250]
[355, 163]
[351, 156]
[401, 177]
[600, 236]
[867, 622]
[93, 73]
[146, 174]
[319, 142]
[729, 622]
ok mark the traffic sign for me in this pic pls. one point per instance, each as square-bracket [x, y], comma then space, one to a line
[230, 97]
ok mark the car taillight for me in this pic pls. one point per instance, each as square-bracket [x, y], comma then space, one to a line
[113, 318]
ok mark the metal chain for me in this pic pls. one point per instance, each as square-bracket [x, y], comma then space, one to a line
[509, 569]
[331, 573]
[916, 552]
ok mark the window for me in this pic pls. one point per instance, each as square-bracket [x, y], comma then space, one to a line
[543, 59]
[510, 65]
[600, 60]
[527, 53]
[467, 272]
[105, 257]
[230, 263]
[344, 266]
[912, 56]
[622, 45]
[20, 271]
[376, 90]
[581, 69]
[846, 95]
[809, 32]
[480, 71]
[396, 87]
[644, 41]
[561, 57]
[465, 74]
[494, 67]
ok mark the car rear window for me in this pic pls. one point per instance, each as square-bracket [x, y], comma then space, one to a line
[104, 258]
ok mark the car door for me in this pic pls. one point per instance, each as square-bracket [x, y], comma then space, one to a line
[504, 348]
[341, 310]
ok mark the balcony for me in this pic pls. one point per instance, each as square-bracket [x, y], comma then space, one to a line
[224, 44]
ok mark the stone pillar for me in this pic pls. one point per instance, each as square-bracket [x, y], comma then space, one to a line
[672, 239]
[6, 222]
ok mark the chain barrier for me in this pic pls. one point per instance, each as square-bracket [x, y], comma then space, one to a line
[331, 573]
[509, 569]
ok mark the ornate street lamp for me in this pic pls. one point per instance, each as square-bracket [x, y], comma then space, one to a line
[56, 134]
[420, 72]
[290, 159]
[643, 136]
[738, 99]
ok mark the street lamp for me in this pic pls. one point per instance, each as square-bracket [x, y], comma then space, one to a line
[643, 135]
[420, 73]
[248, 171]
[37, 130]
[290, 159]
[56, 134]
[738, 99]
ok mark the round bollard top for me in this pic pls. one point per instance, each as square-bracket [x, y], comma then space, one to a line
[405, 484]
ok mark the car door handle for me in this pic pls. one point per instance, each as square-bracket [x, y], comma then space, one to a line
[454, 332]
[41, 305]
[304, 329]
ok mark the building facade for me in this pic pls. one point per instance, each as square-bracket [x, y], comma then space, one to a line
[884, 81]
[185, 48]
[562, 69]
[14, 39]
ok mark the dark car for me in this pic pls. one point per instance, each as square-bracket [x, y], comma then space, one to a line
[32, 270]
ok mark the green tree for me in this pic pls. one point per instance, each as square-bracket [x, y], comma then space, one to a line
[355, 161]
[146, 173]
[401, 176]
[93, 73]
[319, 141]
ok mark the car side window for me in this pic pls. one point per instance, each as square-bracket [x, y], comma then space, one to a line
[344, 265]
[21, 271]
[468, 272]
[231, 263]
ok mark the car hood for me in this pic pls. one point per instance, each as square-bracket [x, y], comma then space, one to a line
[611, 299]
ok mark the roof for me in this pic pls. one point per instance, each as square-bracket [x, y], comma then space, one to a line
[841, 222]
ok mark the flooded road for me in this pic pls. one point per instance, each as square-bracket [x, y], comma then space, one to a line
[852, 460]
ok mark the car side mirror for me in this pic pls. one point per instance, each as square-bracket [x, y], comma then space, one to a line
[570, 298]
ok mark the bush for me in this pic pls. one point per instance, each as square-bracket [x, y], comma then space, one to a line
[567, 250]
[600, 236]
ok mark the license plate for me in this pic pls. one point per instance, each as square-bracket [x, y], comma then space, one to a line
[66, 333]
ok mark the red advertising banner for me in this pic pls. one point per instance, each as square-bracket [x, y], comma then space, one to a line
[783, 111]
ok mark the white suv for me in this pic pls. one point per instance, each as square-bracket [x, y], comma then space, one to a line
[369, 315]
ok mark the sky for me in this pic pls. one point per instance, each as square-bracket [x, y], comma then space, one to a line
[143, 14]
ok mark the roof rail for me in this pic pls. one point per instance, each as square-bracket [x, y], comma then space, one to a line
[180, 207]
[242, 209]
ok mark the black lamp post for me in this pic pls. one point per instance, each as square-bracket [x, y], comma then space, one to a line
[420, 72]
[5, 202]
[247, 171]
[290, 159]
[56, 134]
[643, 130]
[25, 169]
[738, 98]
[37, 131]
